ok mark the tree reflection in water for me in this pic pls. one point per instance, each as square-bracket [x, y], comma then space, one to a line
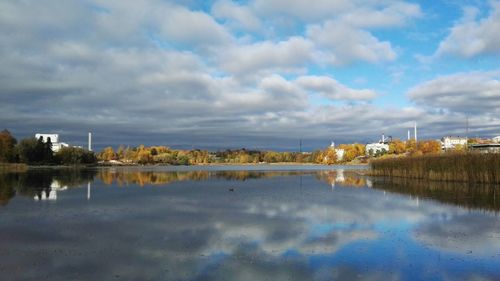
[136, 177]
[39, 183]
[43, 183]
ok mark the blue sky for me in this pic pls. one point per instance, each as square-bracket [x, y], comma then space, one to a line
[255, 74]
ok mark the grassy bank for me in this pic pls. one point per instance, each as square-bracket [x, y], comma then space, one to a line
[10, 167]
[470, 167]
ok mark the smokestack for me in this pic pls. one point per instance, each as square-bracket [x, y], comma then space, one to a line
[90, 141]
[408, 134]
[383, 138]
[415, 132]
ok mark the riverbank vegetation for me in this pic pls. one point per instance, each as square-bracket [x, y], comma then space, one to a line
[167, 156]
[34, 151]
[463, 167]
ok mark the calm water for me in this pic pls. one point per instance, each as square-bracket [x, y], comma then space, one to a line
[159, 224]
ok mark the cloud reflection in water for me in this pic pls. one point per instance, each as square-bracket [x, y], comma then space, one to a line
[274, 225]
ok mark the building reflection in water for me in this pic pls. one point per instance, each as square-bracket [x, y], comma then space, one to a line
[50, 193]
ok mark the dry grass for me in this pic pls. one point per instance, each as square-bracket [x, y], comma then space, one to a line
[463, 167]
[8, 167]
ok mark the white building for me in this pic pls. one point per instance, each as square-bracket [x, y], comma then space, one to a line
[377, 147]
[54, 139]
[338, 151]
[448, 143]
[496, 139]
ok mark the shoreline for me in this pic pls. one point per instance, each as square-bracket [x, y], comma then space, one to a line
[15, 166]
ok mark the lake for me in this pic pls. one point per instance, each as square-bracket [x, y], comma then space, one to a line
[244, 223]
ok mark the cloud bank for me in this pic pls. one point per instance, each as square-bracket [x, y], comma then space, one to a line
[257, 74]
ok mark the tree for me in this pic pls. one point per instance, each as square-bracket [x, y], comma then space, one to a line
[108, 154]
[120, 153]
[48, 154]
[26, 149]
[40, 150]
[75, 156]
[7, 144]
[397, 147]
[410, 146]
[429, 147]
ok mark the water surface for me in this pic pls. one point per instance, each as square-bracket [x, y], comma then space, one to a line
[214, 224]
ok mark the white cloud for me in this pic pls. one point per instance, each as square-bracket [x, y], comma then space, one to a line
[334, 90]
[283, 56]
[393, 15]
[121, 66]
[471, 36]
[191, 27]
[239, 16]
[341, 44]
[303, 10]
[475, 92]
[372, 13]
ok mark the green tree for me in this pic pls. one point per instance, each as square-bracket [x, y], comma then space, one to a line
[26, 149]
[75, 156]
[48, 154]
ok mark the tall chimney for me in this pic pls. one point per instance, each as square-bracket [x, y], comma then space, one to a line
[383, 138]
[416, 132]
[408, 134]
[90, 141]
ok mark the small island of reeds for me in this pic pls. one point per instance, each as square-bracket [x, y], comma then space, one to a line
[461, 167]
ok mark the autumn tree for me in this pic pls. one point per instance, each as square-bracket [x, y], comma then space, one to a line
[7, 144]
[429, 147]
[410, 146]
[397, 147]
[108, 154]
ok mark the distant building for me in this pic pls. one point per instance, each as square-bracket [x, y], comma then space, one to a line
[376, 148]
[54, 139]
[450, 143]
[338, 151]
[485, 147]
[496, 139]
[380, 147]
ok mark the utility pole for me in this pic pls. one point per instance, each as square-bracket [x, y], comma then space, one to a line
[467, 132]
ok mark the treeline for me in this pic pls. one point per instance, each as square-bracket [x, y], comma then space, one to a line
[166, 155]
[413, 148]
[34, 151]
[163, 155]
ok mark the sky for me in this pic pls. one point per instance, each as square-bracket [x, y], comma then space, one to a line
[259, 74]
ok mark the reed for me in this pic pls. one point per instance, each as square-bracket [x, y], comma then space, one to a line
[461, 167]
